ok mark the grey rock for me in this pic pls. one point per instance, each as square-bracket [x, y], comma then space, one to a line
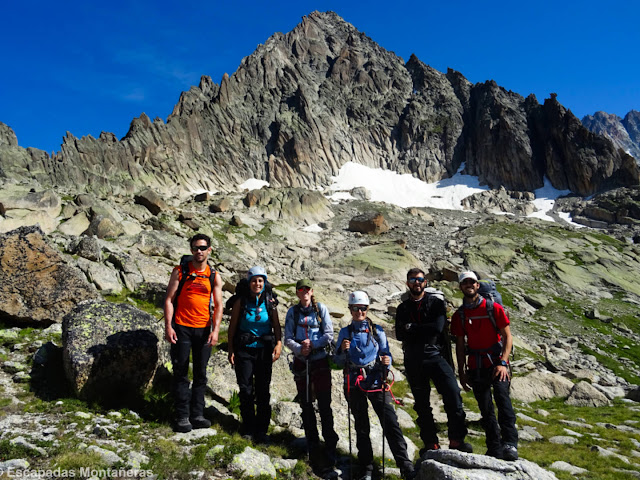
[111, 351]
[252, 463]
[152, 201]
[109, 457]
[540, 385]
[89, 248]
[583, 394]
[51, 290]
[567, 467]
[14, 464]
[454, 465]
[24, 443]
[373, 223]
[563, 440]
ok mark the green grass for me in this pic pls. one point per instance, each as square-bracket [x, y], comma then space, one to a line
[545, 453]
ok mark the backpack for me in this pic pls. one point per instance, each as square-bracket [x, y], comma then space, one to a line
[185, 275]
[489, 292]
[330, 348]
[242, 292]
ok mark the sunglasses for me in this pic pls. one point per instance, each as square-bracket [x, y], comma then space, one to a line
[416, 279]
[202, 248]
[359, 308]
[468, 281]
[304, 289]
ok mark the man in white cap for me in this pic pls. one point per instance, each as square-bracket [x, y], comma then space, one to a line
[485, 326]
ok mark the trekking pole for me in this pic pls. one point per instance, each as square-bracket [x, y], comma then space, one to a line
[308, 406]
[349, 416]
[384, 404]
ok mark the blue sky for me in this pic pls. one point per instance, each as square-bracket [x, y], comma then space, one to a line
[87, 67]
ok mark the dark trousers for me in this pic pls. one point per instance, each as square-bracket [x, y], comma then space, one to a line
[253, 373]
[482, 382]
[419, 373]
[320, 389]
[190, 341]
[387, 416]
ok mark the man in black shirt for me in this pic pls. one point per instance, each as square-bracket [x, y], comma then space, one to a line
[420, 322]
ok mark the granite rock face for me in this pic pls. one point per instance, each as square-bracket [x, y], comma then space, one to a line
[623, 132]
[37, 287]
[305, 103]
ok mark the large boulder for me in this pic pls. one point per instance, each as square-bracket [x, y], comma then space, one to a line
[454, 465]
[36, 285]
[111, 351]
[540, 386]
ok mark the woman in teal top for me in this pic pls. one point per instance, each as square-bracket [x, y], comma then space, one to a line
[254, 344]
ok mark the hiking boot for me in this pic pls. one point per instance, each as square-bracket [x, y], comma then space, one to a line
[509, 452]
[431, 446]
[494, 452]
[262, 438]
[329, 474]
[182, 425]
[408, 473]
[460, 446]
[200, 422]
[366, 476]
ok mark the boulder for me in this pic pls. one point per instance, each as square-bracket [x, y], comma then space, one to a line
[373, 223]
[583, 394]
[89, 248]
[111, 352]
[75, 225]
[455, 465]
[152, 201]
[540, 386]
[36, 285]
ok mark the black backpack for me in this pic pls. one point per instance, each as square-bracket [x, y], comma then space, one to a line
[185, 275]
[242, 292]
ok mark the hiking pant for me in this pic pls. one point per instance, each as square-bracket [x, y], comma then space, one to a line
[253, 373]
[420, 371]
[387, 416]
[320, 388]
[190, 341]
[481, 382]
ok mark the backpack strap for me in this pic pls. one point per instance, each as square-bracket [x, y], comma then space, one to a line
[490, 303]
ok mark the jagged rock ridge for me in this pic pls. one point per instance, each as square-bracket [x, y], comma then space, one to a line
[623, 132]
[305, 103]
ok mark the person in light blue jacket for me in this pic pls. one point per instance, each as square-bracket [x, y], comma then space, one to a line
[308, 332]
[363, 350]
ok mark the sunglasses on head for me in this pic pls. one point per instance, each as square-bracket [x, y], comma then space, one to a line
[416, 279]
[304, 289]
[202, 248]
[358, 308]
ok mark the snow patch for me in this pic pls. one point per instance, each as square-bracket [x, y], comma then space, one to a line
[404, 190]
[253, 184]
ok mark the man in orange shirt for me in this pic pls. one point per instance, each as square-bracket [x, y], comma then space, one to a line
[191, 329]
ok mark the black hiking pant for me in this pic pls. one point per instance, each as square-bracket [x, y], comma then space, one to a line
[320, 388]
[190, 404]
[386, 414]
[253, 372]
[503, 430]
[420, 371]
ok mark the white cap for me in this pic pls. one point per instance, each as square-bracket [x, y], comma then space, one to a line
[358, 298]
[464, 275]
[257, 271]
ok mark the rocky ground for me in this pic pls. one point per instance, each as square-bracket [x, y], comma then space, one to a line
[571, 293]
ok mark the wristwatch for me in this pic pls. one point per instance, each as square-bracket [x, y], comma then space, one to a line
[503, 363]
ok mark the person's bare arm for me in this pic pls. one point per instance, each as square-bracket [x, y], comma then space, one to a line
[217, 310]
[172, 289]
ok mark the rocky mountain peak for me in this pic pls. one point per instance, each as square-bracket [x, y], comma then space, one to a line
[624, 133]
[308, 101]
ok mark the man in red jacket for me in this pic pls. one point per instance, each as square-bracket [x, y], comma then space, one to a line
[485, 325]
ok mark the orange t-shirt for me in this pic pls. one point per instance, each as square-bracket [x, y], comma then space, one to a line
[192, 309]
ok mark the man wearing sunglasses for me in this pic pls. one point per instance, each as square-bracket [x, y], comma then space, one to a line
[192, 330]
[486, 368]
[420, 324]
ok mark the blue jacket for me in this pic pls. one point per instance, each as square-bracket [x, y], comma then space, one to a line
[307, 326]
[364, 353]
